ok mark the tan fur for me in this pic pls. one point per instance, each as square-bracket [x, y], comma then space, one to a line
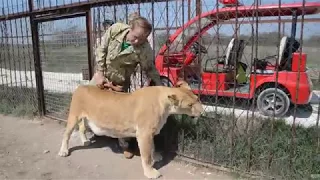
[140, 114]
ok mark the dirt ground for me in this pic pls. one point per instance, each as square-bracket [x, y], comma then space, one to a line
[28, 150]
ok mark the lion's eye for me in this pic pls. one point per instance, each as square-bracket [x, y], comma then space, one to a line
[190, 105]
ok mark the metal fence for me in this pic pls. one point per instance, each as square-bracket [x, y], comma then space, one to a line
[47, 51]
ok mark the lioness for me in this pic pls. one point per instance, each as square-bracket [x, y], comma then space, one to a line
[146, 111]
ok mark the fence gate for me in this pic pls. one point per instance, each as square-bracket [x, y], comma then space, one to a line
[64, 57]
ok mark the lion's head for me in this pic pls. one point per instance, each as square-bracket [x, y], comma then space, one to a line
[184, 101]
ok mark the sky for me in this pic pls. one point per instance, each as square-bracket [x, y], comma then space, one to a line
[20, 26]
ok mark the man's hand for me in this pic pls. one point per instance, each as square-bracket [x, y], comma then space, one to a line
[113, 87]
[102, 82]
[99, 78]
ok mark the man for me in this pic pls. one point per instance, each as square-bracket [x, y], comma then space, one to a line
[122, 48]
[106, 24]
[139, 78]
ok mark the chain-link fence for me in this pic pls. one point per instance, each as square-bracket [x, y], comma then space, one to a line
[253, 65]
[17, 77]
[64, 56]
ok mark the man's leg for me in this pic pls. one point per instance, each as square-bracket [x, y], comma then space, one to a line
[126, 145]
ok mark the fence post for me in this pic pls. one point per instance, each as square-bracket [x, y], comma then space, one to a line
[89, 43]
[37, 62]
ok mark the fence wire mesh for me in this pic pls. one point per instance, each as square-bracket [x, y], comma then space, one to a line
[64, 56]
[17, 78]
[259, 89]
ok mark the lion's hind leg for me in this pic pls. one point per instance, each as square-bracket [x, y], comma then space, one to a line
[82, 132]
[71, 124]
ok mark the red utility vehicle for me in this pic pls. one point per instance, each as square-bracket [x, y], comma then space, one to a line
[216, 75]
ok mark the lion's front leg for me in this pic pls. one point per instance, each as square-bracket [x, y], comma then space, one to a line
[146, 146]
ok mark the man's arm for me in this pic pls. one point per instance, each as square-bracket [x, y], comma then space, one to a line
[101, 51]
[149, 66]
[154, 75]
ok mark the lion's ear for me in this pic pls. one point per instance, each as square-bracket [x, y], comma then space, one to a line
[183, 84]
[173, 99]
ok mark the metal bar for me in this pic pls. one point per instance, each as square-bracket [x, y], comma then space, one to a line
[189, 10]
[272, 21]
[153, 32]
[217, 82]
[198, 7]
[166, 28]
[114, 13]
[198, 12]
[58, 17]
[13, 57]
[183, 72]
[248, 22]
[4, 46]
[99, 23]
[317, 20]
[94, 27]
[167, 31]
[24, 51]
[294, 24]
[37, 61]
[176, 5]
[292, 38]
[127, 12]
[89, 42]
[75, 7]
[271, 156]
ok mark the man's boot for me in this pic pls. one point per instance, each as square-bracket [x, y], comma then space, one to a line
[128, 154]
[124, 144]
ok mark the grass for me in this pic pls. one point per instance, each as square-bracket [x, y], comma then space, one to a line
[209, 140]
[18, 101]
[57, 104]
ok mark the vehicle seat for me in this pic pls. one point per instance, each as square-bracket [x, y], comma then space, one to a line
[284, 50]
[234, 51]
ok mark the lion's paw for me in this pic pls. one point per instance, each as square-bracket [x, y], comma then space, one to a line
[152, 174]
[63, 152]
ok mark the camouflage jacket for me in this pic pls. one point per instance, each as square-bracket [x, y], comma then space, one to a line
[118, 65]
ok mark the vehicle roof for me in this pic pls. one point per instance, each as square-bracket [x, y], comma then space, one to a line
[211, 18]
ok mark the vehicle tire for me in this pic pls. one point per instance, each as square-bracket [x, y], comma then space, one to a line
[165, 81]
[266, 103]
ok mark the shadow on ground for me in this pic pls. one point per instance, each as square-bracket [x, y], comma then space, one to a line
[164, 143]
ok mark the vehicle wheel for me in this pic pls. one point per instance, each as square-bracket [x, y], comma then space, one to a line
[165, 81]
[267, 103]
